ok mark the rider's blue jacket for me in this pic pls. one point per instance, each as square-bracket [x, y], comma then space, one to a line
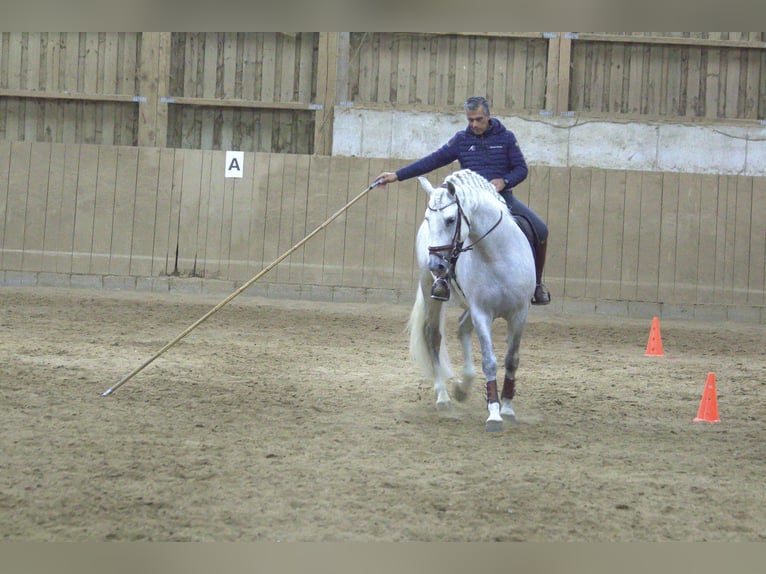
[495, 154]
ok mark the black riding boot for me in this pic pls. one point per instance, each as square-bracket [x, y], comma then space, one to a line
[542, 296]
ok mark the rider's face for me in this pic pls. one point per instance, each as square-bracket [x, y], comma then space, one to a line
[478, 121]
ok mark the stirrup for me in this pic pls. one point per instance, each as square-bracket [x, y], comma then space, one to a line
[440, 289]
[542, 295]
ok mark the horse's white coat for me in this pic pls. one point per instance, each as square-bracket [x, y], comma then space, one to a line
[495, 279]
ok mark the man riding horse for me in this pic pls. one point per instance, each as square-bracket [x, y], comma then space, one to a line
[487, 147]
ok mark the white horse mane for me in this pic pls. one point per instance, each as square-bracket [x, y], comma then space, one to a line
[470, 187]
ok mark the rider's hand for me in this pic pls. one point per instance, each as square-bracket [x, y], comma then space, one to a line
[387, 177]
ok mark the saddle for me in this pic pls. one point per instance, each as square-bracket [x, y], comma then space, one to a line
[529, 231]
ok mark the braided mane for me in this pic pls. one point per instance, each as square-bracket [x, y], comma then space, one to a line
[471, 188]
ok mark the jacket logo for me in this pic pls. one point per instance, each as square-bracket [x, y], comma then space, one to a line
[495, 147]
[472, 148]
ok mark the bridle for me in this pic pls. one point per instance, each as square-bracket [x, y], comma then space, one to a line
[455, 248]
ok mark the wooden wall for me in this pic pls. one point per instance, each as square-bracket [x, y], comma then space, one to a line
[276, 92]
[668, 238]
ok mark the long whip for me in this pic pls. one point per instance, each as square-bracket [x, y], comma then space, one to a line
[252, 280]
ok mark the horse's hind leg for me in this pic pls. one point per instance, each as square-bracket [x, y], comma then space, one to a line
[462, 386]
[511, 365]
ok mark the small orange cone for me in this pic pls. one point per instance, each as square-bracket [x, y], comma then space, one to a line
[654, 346]
[708, 411]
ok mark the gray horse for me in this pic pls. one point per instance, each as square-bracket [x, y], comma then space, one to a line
[469, 247]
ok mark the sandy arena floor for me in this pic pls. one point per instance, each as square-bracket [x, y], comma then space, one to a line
[288, 420]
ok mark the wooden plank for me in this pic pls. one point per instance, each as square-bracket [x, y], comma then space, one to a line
[85, 209]
[326, 74]
[670, 40]
[730, 69]
[635, 79]
[335, 234]
[595, 231]
[712, 83]
[659, 236]
[742, 238]
[227, 217]
[687, 238]
[258, 214]
[752, 62]
[273, 213]
[694, 83]
[299, 182]
[103, 210]
[124, 211]
[305, 79]
[558, 219]
[5, 169]
[162, 221]
[174, 223]
[576, 246]
[756, 294]
[70, 73]
[630, 236]
[284, 232]
[617, 102]
[209, 71]
[145, 212]
[410, 206]
[423, 76]
[404, 71]
[16, 206]
[36, 201]
[249, 69]
[316, 214]
[63, 240]
[356, 224]
[724, 263]
[213, 206]
[203, 267]
[378, 265]
[34, 109]
[268, 69]
[612, 239]
[385, 65]
[109, 84]
[242, 207]
[518, 77]
[708, 241]
[285, 71]
[552, 71]
[189, 213]
[55, 183]
[564, 80]
[675, 80]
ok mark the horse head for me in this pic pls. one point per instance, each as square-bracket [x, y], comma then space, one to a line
[447, 226]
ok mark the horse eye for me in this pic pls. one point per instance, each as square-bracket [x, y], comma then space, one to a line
[449, 220]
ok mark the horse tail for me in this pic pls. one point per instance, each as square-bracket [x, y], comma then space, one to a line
[420, 351]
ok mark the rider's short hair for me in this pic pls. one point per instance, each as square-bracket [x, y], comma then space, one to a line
[474, 102]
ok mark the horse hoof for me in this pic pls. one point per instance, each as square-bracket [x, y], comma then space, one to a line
[443, 406]
[494, 421]
[459, 393]
[494, 426]
[508, 414]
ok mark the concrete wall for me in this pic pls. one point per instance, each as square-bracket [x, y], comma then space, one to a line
[565, 141]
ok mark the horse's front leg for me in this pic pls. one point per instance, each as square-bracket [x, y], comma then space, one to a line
[483, 326]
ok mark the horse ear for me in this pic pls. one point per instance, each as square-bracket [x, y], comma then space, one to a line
[426, 185]
[451, 188]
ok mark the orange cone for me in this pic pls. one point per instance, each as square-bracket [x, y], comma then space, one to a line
[654, 346]
[708, 411]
